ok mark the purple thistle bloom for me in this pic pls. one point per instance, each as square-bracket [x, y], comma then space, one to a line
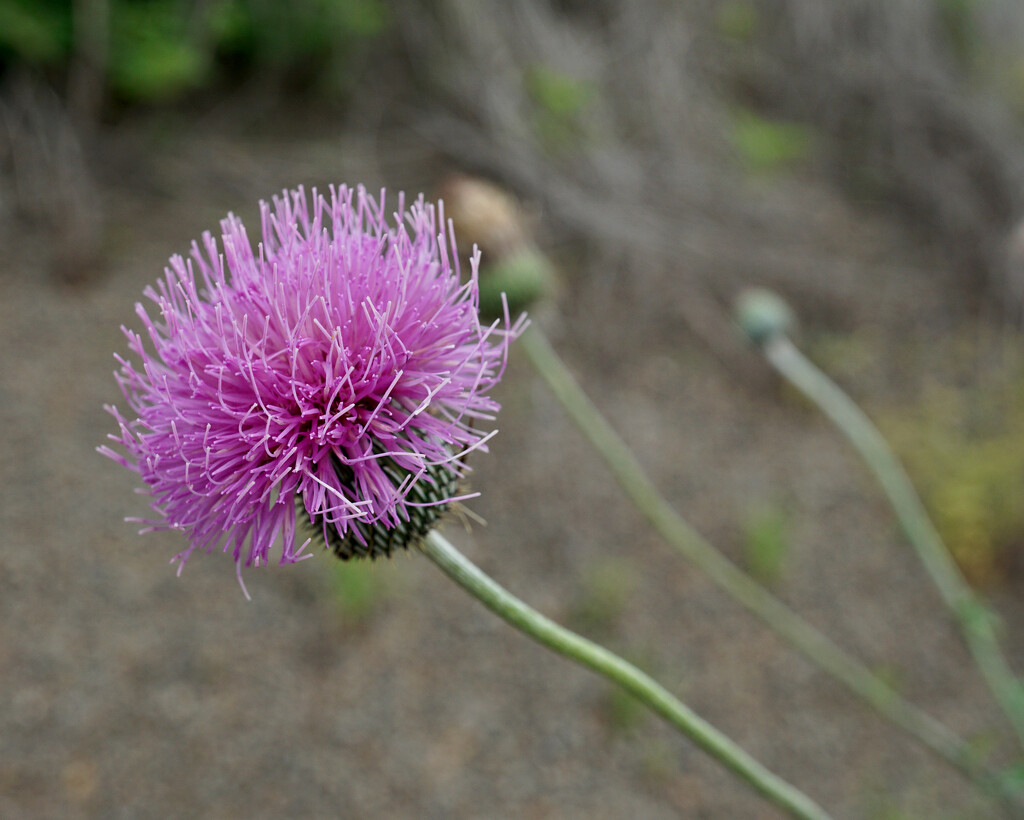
[340, 370]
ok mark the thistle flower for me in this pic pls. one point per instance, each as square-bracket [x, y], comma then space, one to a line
[328, 382]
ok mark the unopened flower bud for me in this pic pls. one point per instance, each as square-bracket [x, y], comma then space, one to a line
[763, 315]
[512, 264]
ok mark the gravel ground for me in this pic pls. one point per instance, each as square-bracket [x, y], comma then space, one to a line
[129, 692]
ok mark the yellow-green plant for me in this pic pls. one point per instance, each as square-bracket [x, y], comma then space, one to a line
[966, 453]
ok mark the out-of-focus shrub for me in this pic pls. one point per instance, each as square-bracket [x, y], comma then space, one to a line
[308, 44]
[161, 50]
[37, 33]
[154, 53]
[965, 451]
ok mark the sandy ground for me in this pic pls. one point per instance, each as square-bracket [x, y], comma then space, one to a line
[127, 692]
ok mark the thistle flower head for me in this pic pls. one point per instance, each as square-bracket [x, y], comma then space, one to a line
[330, 379]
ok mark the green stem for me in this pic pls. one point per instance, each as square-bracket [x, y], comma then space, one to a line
[586, 653]
[776, 615]
[973, 616]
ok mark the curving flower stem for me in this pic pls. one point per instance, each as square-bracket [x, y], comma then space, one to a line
[648, 691]
[976, 621]
[814, 645]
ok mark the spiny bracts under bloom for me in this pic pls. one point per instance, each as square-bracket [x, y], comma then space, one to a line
[332, 378]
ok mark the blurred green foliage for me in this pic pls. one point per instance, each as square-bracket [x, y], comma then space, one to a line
[847, 356]
[309, 43]
[957, 19]
[767, 146]
[607, 587]
[624, 713]
[965, 452]
[1010, 83]
[885, 809]
[152, 55]
[159, 50]
[660, 761]
[560, 101]
[1013, 777]
[35, 32]
[766, 541]
[358, 587]
[737, 20]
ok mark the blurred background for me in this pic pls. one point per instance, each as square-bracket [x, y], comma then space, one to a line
[863, 159]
